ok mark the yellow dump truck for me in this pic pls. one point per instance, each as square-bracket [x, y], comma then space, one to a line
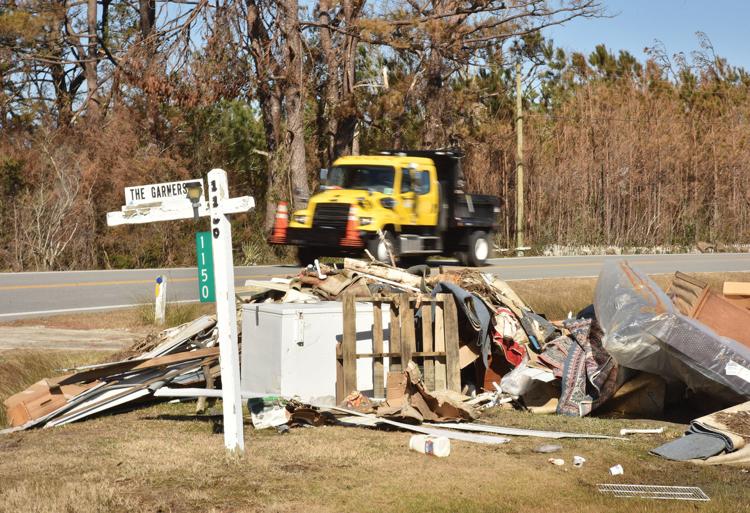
[409, 203]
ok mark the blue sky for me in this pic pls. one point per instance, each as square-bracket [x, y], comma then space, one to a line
[637, 23]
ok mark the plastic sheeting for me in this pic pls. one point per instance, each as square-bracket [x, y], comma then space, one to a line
[644, 331]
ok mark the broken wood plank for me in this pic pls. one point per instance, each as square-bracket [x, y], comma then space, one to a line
[408, 341]
[349, 347]
[202, 403]
[453, 369]
[378, 386]
[439, 345]
[394, 341]
[396, 276]
[736, 288]
[428, 345]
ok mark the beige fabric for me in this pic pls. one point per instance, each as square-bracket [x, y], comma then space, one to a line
[741, 456]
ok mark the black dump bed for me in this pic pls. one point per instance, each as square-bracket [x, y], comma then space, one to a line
[463, 209]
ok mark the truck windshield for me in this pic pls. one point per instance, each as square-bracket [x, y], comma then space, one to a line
[370, 178]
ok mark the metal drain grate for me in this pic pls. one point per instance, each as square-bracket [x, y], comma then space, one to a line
[681, 493]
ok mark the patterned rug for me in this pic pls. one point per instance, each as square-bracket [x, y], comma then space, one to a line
[587, 372]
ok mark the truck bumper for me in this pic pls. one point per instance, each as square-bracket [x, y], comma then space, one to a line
[329, 239]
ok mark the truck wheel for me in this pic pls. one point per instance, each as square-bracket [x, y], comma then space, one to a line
[478, 250]
[379, 248]
[306, 256]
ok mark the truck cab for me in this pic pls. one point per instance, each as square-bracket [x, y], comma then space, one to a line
[406, 204]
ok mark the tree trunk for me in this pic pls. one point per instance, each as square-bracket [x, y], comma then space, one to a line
[92, 60]
[63, 100]
[433, 102]
[147, 13]
[271, 109]
[294, 105]
[329, 125]
[345, 132]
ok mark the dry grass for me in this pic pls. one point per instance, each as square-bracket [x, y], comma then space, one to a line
[20, 369]
[176, 313]
[140, 318]
[163, 458]
[555, 297]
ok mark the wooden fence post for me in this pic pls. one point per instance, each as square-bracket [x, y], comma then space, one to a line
[378, 387]
[428, 345]
[408, 341]
[453, 369]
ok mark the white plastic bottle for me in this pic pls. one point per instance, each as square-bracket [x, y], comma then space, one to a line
[433, 445]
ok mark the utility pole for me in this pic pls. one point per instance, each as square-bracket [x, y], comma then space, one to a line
[519, 161]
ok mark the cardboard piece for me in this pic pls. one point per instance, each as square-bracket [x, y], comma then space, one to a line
[40, 399]
[467, 355]
[408, 400]
[395, 392]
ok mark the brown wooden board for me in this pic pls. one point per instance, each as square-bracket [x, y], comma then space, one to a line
[394, 342]
[736, 288]
[428, 345]
[453, 369]
[377, 347]
[439, 345]
[722, 316]
[349, 345]
[440, 354]
[408, 342]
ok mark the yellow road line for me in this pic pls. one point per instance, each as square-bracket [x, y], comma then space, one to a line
[113, 282]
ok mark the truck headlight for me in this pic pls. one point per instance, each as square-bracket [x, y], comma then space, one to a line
[301, 219]
[364, 221]
[388, 202]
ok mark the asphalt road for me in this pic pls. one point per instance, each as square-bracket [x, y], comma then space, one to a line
[50, 293]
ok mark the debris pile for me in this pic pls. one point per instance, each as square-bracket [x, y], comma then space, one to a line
[182, 356]
[625, 354]
[621, 354]
[504, 344]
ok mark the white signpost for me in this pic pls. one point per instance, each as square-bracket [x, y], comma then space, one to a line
[157, 192]
[145, 207]
[160, 300]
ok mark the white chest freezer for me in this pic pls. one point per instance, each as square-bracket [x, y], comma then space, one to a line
[289, 349]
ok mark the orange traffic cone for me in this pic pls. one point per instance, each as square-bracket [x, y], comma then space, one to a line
[280, 224]
[351, 236]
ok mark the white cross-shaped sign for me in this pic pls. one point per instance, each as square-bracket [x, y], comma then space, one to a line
[173, 205]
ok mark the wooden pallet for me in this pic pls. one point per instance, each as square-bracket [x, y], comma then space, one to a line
[438, 355]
